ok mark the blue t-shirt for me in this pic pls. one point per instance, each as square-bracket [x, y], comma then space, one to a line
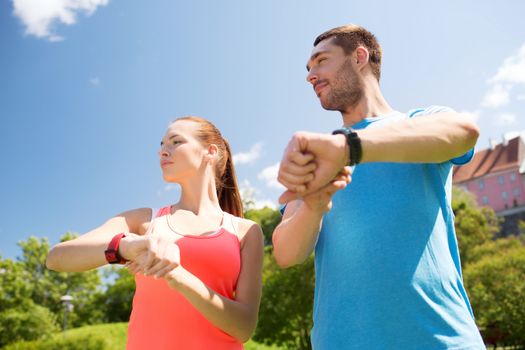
[388, 274]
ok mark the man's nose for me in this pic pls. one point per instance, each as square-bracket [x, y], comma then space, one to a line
[311, 77]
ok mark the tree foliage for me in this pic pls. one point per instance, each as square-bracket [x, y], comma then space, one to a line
[30, 305]
[285, 316]
[47, 287]
[267, 218]
[474, 225]
[118, 298]
[493, 271]
[28, 321]
[496, 284]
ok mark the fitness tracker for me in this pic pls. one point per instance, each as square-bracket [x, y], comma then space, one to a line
[354, 144]
[111, 253]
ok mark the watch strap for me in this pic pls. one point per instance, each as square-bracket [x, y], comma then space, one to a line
[111, 253]
[354, 144]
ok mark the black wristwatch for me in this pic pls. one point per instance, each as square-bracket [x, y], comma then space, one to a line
[354, 144]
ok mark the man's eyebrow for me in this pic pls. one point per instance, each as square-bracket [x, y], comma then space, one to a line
[313, 57]
[169, 138]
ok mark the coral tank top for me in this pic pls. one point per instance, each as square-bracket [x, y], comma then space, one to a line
[163, 319]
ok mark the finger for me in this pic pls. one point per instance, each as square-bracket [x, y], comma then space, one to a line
[299, 157]
[336, 186]
[160, 261]
[297, 169]
[297, 180]
[151, 227]
[152, 255]
[162, 273]
[133, 268]
[346, 178]
[293, 187]
[161, 264]
[347, 170]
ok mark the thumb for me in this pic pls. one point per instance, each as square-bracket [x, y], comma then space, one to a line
[288, 196]
[151, 227]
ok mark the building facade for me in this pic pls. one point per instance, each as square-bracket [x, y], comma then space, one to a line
[496, 176]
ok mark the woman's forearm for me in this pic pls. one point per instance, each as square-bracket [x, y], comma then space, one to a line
[233, 317]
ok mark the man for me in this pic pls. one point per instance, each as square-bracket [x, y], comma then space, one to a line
[388, 274]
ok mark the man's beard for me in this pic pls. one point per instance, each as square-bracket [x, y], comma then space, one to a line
[346, 90]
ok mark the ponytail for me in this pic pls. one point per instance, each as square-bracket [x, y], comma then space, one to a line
[227, 189]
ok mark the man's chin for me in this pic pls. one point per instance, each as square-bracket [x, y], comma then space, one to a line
[328, 106]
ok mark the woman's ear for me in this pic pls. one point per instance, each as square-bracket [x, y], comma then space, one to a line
[212, 153]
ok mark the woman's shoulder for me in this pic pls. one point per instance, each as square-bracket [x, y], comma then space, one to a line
[137, 219]
[248, 230]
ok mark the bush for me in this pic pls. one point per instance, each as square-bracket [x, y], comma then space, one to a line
[111, 336]
[99, 337]
[496, 285]
[26, 322]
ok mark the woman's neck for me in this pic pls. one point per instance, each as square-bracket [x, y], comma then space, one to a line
[199, 196]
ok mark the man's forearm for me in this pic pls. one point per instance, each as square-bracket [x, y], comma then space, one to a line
[295, 237]
[430, 139]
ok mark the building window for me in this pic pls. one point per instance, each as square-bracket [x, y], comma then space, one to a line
[517, 192]
[501, 179]
[504, 195]
[513, 177]
[481, 184]
[485, 200]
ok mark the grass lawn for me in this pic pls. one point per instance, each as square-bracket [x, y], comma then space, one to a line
[111, 335]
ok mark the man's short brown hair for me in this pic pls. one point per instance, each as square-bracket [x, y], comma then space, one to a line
[350, 37]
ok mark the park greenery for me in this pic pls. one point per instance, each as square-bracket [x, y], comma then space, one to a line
[32, 314]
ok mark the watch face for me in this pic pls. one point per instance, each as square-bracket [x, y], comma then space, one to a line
[111, 256]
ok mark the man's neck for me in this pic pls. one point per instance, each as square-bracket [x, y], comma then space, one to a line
[372, 104]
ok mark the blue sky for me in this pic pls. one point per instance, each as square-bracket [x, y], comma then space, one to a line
[88, 88]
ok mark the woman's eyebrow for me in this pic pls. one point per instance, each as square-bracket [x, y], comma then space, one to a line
[169, 138]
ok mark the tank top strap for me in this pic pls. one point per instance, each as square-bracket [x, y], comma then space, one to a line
[231, 223]
[158, 212]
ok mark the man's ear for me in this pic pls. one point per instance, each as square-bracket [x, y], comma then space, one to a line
[361, 57]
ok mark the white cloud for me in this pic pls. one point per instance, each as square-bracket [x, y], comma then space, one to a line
[513, 69]
[94, 81]
[497, 96]
[269, 176]
[38, 16]
[248, 157]
[521, 98]
[506, 119]
[510, 74]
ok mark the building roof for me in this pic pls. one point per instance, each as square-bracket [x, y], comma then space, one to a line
[491, 160]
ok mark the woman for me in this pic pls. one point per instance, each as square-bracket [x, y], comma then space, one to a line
[198, 264]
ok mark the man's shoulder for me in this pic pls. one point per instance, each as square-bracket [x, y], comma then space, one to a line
[432, 109]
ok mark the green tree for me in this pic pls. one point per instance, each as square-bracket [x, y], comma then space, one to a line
[267, 218]
[474, 225]
[20, 317]
[495, 280]
[118, 298]
[285, 316]
[14, 290]
[493, 271]
[47, 287]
